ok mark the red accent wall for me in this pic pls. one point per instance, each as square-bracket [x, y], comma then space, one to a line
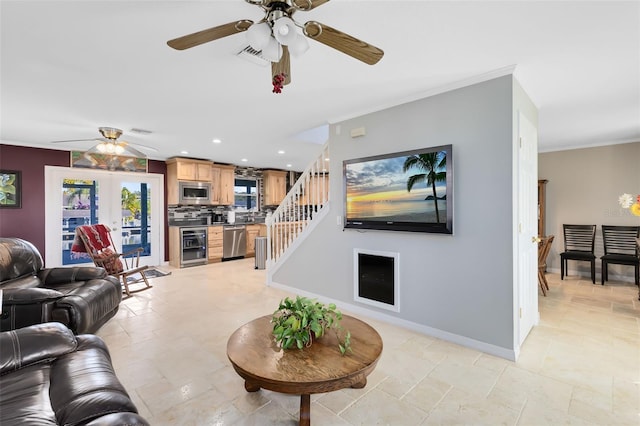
[27, 222]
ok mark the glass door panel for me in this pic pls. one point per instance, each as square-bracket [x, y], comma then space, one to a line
[136, 217]
[79, 207]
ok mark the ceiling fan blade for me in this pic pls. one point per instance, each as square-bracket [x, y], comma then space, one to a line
[145, 147]
[343, 42]
[205, 36]
[283, 66]
[133, 151]
[75, 140]
[306, 5]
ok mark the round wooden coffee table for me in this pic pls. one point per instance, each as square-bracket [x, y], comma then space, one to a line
[318, 368]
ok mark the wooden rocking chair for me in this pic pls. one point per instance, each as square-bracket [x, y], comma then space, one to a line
[95, 240]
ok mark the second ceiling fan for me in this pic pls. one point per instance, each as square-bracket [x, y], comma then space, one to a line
[276, 37]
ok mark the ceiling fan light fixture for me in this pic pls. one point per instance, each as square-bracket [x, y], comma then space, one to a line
[284, 30]
[101, 147]
[258, 35]
[119, 149]
[272, 51]
[299, 46]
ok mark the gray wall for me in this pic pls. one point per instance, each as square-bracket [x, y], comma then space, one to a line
[462, 283]
[583, 188]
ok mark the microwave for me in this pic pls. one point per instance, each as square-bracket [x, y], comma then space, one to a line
[194, 192]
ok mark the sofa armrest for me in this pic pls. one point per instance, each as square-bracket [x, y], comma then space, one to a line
[37, 343]
[22, 307]
[84, 385]
[27, 296]
[119, 419]
[53, 276]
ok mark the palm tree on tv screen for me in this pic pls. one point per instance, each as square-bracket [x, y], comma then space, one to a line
[432, 164]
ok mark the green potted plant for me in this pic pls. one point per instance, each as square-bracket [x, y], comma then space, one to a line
[298, 322]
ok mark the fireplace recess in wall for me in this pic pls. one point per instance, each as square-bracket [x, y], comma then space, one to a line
[376, 278]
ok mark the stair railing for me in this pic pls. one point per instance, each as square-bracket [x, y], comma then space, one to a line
[302, 204]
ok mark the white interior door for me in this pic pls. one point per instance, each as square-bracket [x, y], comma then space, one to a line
[526, 290]
[131, 204]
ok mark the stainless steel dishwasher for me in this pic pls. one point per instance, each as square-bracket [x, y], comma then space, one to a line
[234, 241]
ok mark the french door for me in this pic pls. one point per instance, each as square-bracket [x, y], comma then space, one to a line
[130, 204]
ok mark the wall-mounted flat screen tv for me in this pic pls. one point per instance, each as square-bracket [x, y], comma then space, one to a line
[403, 191]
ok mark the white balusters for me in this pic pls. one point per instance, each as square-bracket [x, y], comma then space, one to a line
[300, 206]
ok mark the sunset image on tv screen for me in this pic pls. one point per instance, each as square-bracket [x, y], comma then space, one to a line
[411, 188]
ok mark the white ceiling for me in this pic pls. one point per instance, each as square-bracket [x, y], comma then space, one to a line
[68, 67]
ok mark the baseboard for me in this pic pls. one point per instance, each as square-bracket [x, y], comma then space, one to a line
[509, 354]
[585, 274]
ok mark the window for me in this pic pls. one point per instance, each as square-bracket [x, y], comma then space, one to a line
[246, 194]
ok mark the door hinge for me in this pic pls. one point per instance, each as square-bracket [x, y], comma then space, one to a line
[520, 227]
[520, 139]
[520, 312]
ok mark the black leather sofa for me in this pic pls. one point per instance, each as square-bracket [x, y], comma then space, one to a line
[49, 376]
[82, 298]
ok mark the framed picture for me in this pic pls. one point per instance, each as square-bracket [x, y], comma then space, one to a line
[10, 189]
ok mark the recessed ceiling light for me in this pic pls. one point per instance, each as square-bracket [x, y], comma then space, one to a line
[281, 152]
[244, 160]
[216, 140]
[289, 166]
[184, 152]
[326, 159]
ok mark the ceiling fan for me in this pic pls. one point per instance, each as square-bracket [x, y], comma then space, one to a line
[110, 145]
[276, 37]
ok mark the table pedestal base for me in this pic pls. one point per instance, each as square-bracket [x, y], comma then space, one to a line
[305, 410]
[251, 387]
[305, 400]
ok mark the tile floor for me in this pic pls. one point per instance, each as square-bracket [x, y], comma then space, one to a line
[580, 366]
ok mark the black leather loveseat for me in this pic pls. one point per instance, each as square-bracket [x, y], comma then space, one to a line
[82, 298]
[49, 376]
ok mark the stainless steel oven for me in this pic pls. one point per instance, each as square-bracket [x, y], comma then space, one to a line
[193, 246]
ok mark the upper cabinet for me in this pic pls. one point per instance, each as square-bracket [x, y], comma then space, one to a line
[220, 176]
[224, 186]
[275, 186]
[188, 169]
[215, 185]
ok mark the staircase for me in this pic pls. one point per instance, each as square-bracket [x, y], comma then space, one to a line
[302, 208]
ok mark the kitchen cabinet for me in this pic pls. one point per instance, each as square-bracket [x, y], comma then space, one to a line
[226, 185]
[275, 186]
[174, 246]
[185, 169]
[317, 190]
[188, 169]
[215, 185]
[214, 243]
[254, 231]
